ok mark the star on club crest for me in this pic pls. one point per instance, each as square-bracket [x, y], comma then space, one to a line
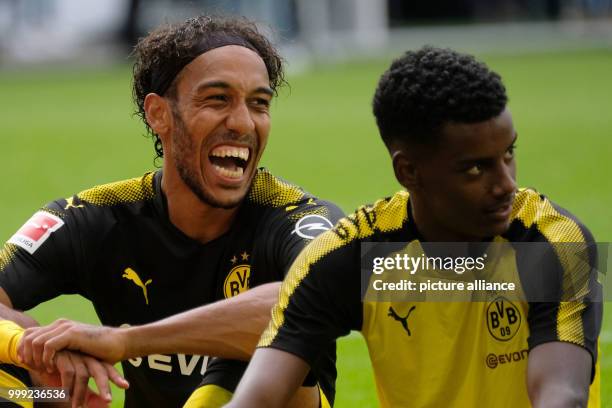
[242, 257]
[238, 278]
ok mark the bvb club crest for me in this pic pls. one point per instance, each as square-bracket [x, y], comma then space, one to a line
[503, 319]
[237, 280]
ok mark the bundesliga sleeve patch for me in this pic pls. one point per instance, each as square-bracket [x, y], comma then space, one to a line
[36, 231]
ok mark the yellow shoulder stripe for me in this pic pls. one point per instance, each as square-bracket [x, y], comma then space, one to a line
[6, 255]
[136, 189]
[531, 209]
[384, 215]
[270, 190]
[556, 227]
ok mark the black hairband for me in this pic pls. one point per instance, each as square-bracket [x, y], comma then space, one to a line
[163, 76]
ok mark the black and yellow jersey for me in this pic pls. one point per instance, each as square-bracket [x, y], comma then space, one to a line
[430, 354]
[115, 245]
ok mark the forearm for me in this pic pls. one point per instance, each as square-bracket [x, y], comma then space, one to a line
[271, 381]
[230, 328]
[558, 375]
[8, 313]
[557, 396]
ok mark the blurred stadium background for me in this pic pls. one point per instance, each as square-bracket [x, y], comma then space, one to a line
[66, 124]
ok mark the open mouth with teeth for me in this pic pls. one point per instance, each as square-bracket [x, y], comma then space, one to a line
[229, 161]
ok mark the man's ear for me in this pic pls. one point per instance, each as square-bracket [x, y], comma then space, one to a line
[405, 170]
[158, 114]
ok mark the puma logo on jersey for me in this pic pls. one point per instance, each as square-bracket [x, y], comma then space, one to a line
[402, 320]
[131, 274]
[70, 204]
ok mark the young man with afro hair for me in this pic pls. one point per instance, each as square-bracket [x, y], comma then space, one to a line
[444, 118]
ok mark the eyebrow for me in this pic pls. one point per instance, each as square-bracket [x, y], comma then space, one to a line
[484, 159]
[224, 85]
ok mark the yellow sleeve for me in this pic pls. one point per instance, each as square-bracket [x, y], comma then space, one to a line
[8, 381]
[208, 396]
[323, 399]
[10, 335]
[213, 396]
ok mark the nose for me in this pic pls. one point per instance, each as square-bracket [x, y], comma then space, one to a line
[504, 183]
[239, 119]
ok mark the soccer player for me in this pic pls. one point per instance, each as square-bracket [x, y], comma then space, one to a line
[207, 227]
[444, 118]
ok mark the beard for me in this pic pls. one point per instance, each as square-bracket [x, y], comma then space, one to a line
[182, 154]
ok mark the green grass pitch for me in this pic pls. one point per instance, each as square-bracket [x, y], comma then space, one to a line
[64, 131]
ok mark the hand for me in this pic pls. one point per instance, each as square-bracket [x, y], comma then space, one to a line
[39, 345]
[73, 371]
[44, 379]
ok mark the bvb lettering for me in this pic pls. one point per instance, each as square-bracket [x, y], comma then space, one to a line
[503, 319]
[237, 281]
